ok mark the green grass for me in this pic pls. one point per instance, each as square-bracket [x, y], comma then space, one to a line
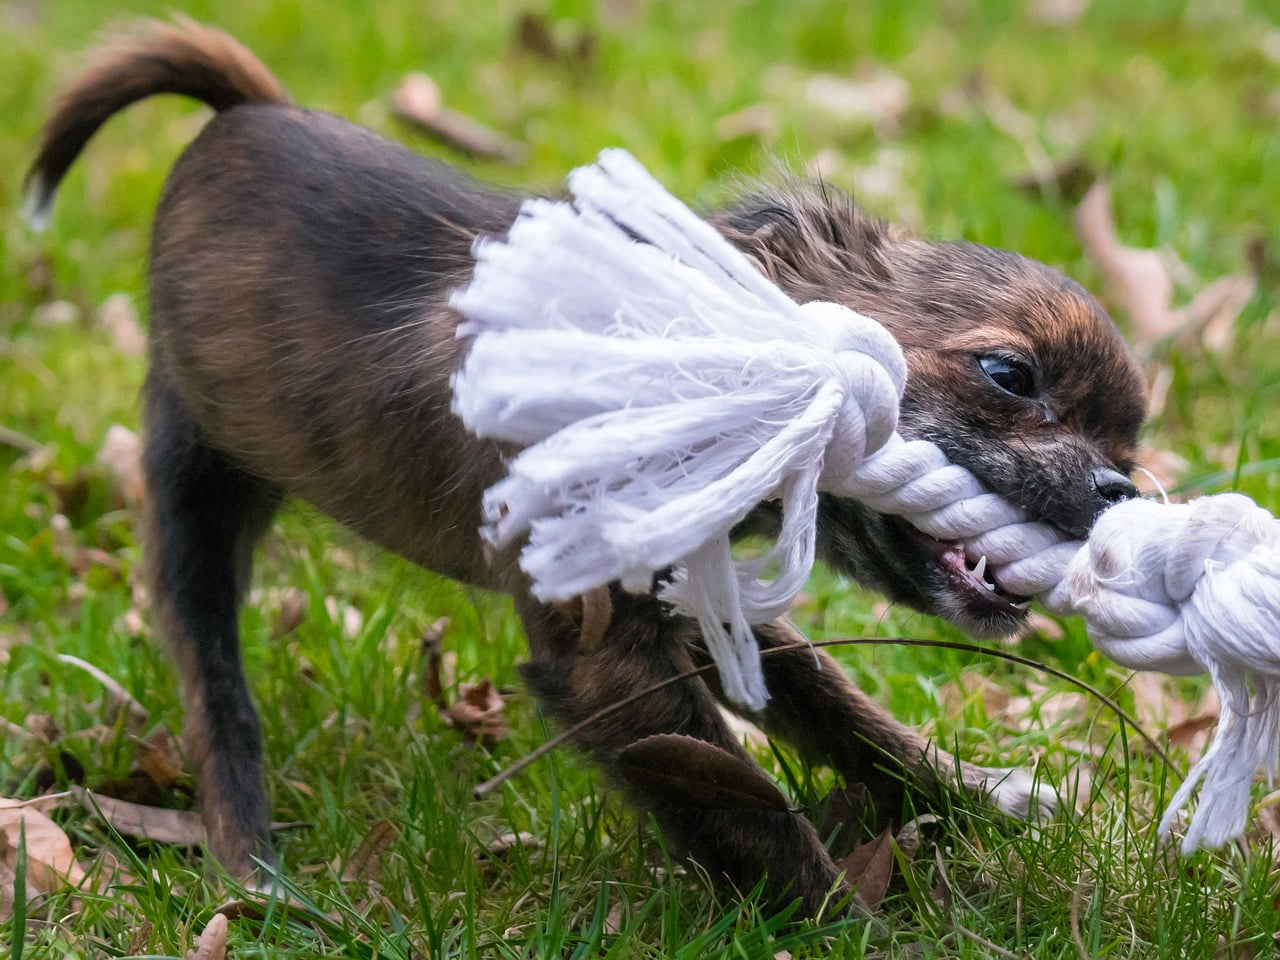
[1175, 103]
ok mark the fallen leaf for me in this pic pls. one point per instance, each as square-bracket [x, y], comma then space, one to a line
[759, 120]
[121, 455]
[55, 313]
[504, 843]
[119, 317]
[1138, 278]
[366, 863]
[293, 610]
[158, 757]
[50, 863]
[348, 617]
[212, 943]
[869, 869]
[158, 824]
[908, 837]
[842, 815]
[433, 685]
[478, 713]
[1213, 311]
[872, 95]
[565, 41]
[1066, 181]
[1056, 13]
[533, 35]
[693, 772]
[140, 939]
[417, 101]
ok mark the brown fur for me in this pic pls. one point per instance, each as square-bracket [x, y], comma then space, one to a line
[301, 346]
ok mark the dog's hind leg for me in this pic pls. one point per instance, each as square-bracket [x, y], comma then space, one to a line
[204, 516]
[643, 646]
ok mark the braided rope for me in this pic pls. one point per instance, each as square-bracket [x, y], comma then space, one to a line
[662, 388]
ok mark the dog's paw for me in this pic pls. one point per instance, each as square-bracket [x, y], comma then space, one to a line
[1018, 793]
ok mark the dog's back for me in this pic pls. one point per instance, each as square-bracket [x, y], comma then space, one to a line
[298, 274]
[300, 346]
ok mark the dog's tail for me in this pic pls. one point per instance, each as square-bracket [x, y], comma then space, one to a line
[183, 57]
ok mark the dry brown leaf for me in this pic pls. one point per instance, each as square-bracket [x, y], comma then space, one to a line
[869, 869]
[158, 757]
[1139, 279]
[51, 865]
[293, 610]
[872, 95]
[685, 770]
[759, 120]
[553, 42]
[1213, 311]
[158, 824]
[479, 712]
[55, 313]
[418, 102]
[844, 808]
[1067, 181]
[366, 863]
[504, 843]
[119, 317]
[140, 939]
[433, 685]
[908, 838]
[212, 943]
[1056, 13]
[346, 616]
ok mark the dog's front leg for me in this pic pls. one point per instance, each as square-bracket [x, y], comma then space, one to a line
[816, 708]
[641, 647]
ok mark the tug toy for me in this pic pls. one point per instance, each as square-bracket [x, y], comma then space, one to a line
[661, 388]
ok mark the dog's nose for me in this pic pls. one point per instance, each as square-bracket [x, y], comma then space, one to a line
[1113, 486]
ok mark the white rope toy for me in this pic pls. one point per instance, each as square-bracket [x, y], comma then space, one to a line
[662, 388]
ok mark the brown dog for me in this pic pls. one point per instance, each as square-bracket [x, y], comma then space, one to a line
[301, 346]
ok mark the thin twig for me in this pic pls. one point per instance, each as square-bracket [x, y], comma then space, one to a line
[1076, 937]
[484, 789]
[10, 437]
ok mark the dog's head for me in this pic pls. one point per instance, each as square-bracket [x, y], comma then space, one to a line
[1014, 371]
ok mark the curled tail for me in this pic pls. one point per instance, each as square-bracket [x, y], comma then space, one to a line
[183, 57]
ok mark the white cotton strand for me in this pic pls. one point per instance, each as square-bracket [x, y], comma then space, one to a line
[637, 385]
[662, 388]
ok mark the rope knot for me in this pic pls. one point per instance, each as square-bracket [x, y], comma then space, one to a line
[872, 372]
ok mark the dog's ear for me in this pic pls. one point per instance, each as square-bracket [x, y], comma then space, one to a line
[809, 239]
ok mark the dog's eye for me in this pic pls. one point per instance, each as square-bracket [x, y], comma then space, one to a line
[1010, 375]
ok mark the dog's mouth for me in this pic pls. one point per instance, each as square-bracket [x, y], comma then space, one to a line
[973, 582]
[934, 576]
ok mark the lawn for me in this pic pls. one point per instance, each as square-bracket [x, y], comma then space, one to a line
[983, 121]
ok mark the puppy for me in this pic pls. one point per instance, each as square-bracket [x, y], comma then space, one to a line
[301, 346]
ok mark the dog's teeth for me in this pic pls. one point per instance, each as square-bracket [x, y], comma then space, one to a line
[980, 567]
[1023, 605]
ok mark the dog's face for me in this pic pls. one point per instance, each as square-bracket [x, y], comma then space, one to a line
[1014, 371]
